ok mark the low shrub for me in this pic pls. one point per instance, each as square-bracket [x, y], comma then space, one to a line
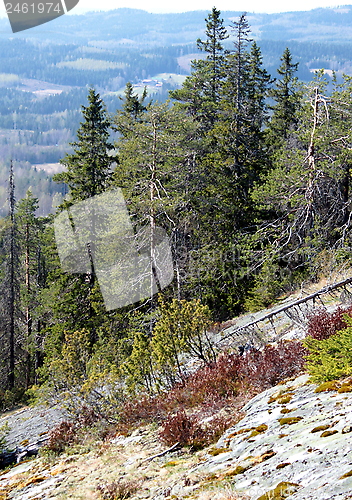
[266, 368]
[9, 399]
[87, 417]
[188, 430]
[181, 428]
[322, 324]
[87, 426]
[64, 434]
[331, 358]
[210, 384]
[208, 388]
[119, 490]
[231, 380]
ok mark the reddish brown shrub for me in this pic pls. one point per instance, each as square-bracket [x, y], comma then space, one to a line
[87, 417]
[146, 409]
[187, 430]
[62, 435]
[232, 379]
[264, 369]
[209, 384]
[322, 324]
[180, 428]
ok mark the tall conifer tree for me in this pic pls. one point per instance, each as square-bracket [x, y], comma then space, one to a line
[287, 101]
[88, 173]
[88, 168]
[10, 291]
[200, 92]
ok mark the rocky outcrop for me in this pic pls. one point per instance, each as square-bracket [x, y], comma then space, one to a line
[293, 443]
[291, 438]
[28, 430]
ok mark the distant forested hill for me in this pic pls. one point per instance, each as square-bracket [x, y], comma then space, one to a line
[139, 26]
[45, 71]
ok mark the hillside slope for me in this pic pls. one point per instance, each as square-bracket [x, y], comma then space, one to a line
[251, 458]
[308, 456]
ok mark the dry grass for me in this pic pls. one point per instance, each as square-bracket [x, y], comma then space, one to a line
[226, 493]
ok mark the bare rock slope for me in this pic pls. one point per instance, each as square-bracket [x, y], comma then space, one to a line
[293, 436]
[292, 443]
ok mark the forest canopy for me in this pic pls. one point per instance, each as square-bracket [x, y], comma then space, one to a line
[249, 175]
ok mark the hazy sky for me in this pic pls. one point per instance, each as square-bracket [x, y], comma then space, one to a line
[186, 5]
[269, 6]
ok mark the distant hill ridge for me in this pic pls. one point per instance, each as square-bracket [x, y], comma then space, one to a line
[139, 26]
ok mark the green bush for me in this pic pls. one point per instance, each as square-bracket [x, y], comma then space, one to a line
[10, 398]
[331, 358]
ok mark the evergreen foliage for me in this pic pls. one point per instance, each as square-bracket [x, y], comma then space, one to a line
[180, 331]
[330, 358]
[88, 169]
[285, 95]
[133, 105]
[200, 93]
[250, 180]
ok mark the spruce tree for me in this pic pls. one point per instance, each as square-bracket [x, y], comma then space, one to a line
[88, 168]
[200, 92]
[230, 171]
[132, 104]
[238, 135]
[10, 308]
[237, 67]
[257, 90]
[213, 45]
[77, 299]
[285, 94]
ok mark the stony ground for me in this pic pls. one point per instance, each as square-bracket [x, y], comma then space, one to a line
[291, 434]
[308, 457]
[29, 425]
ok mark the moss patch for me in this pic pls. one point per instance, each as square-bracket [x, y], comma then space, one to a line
[172, 463]
[281, 398]
[282, 491]
[328, 433]
[261, 428]
[345, 388]
[289, 420]
[257, 430]
[284, 464]
[285, 399]
[217, 451]
[347, 474]
[243, 431]
[331, 385]
[234, 472]
[320, 428]
[287, 410]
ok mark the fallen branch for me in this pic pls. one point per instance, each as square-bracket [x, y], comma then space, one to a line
[173, 447]
[312, 296]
